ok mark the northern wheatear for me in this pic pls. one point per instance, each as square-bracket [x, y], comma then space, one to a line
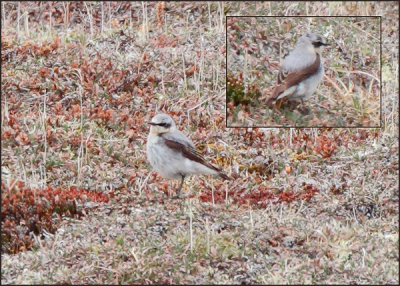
[302, 70]
[172, 154]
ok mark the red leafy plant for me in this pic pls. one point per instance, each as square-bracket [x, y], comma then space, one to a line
[261, 197]
[326, 147]
[25, 211]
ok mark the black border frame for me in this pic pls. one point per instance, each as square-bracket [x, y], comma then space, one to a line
[304, 16]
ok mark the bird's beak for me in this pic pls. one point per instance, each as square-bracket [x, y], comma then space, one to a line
[152, 123]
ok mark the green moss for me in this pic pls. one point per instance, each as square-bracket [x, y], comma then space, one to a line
[237, 94]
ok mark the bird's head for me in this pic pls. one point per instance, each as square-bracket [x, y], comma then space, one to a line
[316, 40]
[161, 123]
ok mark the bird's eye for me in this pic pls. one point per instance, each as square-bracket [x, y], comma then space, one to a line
[318, 44]
[164, 124]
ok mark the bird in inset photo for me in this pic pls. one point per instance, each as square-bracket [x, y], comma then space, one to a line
[302, 70]
[173, 155]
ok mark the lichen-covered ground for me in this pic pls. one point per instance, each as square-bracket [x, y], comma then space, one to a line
[80, 81]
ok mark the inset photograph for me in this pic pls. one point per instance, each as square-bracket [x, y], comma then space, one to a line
[303, 71]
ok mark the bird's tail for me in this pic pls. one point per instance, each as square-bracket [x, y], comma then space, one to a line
[213, 170]
[223, 176]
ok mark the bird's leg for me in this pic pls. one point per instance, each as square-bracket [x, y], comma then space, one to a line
[180, 187]
[304, 109]
[178, 193]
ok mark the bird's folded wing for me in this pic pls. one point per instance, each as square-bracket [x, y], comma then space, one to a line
[192, 154]
[188, 152]
[289, 79]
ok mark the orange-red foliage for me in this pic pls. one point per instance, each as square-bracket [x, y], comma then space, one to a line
[261, 197]
[25, 210]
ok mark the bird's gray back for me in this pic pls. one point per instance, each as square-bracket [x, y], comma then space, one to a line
[298, 59]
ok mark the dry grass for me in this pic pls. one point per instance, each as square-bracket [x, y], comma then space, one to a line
[82, 122]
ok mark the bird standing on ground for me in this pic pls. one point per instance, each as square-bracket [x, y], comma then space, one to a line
[302, 70]
[172, 154]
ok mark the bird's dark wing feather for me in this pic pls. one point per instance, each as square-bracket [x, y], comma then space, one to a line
[192, 154]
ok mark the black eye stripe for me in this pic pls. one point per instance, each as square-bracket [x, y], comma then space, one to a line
[318, 44]
[163, 124]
